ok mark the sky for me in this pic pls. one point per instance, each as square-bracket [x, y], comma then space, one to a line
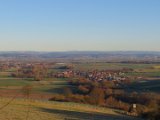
[79, 25]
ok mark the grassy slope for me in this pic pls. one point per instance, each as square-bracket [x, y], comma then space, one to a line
[39, 110]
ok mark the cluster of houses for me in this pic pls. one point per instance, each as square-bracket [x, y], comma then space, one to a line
[95, 75]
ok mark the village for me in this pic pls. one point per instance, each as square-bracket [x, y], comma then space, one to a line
[96, 75]
[28, 68]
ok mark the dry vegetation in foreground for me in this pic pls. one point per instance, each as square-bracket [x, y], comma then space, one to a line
[21, 109]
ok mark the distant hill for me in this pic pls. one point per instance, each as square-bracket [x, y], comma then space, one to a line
[85, 55]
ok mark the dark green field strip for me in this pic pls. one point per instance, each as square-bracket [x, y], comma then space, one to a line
[87, 66]
[149, 85]
[13, 82]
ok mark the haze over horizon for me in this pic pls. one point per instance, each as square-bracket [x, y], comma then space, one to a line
[84, 25]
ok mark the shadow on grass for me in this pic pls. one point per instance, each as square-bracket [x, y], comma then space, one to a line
[55, 90]
[59, 90]
[75, 115]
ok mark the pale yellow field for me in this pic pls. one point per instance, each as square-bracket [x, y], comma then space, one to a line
[157, 67]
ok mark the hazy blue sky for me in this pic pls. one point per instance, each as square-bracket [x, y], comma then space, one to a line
[60, 25]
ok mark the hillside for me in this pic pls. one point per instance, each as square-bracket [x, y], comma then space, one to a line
[21, 109]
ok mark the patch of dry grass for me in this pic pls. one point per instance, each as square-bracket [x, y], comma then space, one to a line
[43, 110]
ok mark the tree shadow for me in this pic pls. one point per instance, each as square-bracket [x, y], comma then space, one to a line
[55, 90]
[75, 115]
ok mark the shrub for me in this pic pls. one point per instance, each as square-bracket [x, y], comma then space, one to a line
[98, 96]
[58, 97]
[113, 103]
[83, 89]
[76, 98]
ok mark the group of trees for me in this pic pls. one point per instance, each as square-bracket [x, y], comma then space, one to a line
[37, 72]
[90, 92]
[106, 93]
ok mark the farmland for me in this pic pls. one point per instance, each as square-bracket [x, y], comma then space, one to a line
[54, 85]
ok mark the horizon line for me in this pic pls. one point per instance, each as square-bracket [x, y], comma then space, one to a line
[81, 51]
